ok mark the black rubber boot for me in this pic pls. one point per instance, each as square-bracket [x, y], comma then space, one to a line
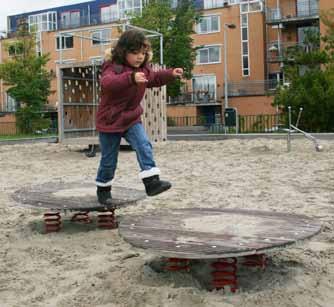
[104, 195]
[155, 186]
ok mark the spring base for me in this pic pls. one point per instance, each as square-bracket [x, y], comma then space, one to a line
[81, 217]
[177, 264]
[259, 260]
[225, 274]
[52, 221]
[107, 220]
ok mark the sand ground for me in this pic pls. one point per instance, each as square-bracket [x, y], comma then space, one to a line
[86, 266]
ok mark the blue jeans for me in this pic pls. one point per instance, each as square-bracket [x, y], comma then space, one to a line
[110, 143]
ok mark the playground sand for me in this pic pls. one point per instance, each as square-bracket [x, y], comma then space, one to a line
[85, 266]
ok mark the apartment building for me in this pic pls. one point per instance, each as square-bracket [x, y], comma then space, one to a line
[239, 60]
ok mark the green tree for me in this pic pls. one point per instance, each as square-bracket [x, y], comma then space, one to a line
[176, 26]
[309, 71]
[29, 80]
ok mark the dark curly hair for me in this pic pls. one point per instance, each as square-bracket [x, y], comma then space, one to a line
[130, 41]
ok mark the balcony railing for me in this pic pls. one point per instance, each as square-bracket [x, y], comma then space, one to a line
[88, 21]
[252, 87]
[241, 88]
[292, 10]
[197, 97]
[278, 51]
[262, 123]
[81, 21]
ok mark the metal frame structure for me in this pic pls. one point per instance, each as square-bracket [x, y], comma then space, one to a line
[124, 26]
[294, 128]
[62, 63]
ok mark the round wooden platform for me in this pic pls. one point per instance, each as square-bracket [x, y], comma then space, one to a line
[73, 196]
[215, 233]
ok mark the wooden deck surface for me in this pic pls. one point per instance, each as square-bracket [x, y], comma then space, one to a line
[215, 233]
[73, 196]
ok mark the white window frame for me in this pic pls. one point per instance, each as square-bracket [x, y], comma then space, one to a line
[246, 5]
[109, 13]
[208, 47]
[73, 20]
[242, 26]
[124, 10]
[203, 76]
[211, 4]
[37, 21]
[64, 47]
[16, 53]
[107, 40]
[198, 26]
[10, 101]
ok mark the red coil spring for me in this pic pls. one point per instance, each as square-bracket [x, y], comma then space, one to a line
[177, 264]
[225, 274]
[259, 260]
[52, 221]
[107, 220]
[81, 217]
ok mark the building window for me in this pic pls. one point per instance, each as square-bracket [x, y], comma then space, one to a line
[208, 55]
[70, 19]
[129, 7]
[109, 13]
[66, 42]
[244, 45]
[43, 22]
[209, 24]
[15, 48]
[251, 6]
[101, 37]
[307, 8]
[11, 104]
[173, 4]
[204, 88]
[210, 4]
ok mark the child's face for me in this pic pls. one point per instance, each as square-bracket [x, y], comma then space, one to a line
[136, 58]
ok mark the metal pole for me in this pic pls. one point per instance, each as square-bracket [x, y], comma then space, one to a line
[299, 115]
[61, 119]
[225, 68]
[161, 50]
[289, 131]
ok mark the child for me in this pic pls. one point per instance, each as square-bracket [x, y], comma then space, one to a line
[124, 79]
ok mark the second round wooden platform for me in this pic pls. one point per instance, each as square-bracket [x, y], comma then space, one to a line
[204, 233]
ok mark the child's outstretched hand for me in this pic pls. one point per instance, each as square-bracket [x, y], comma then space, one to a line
[177, 72]
[140, 77]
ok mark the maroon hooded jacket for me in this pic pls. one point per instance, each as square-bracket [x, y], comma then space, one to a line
[120, 108]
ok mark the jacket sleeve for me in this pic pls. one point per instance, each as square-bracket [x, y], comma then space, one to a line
[113, 82]
[159, 78]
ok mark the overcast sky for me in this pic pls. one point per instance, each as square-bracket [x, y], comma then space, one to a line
[13, 7]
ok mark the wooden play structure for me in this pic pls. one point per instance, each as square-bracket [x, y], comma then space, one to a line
[79, 94]
[228, 237]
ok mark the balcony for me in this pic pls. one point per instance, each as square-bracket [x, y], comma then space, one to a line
[235, 89]
[200, 97]
[88, 21]
[293, 12]
[77, 22]
[252, 88]
[279, 51]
